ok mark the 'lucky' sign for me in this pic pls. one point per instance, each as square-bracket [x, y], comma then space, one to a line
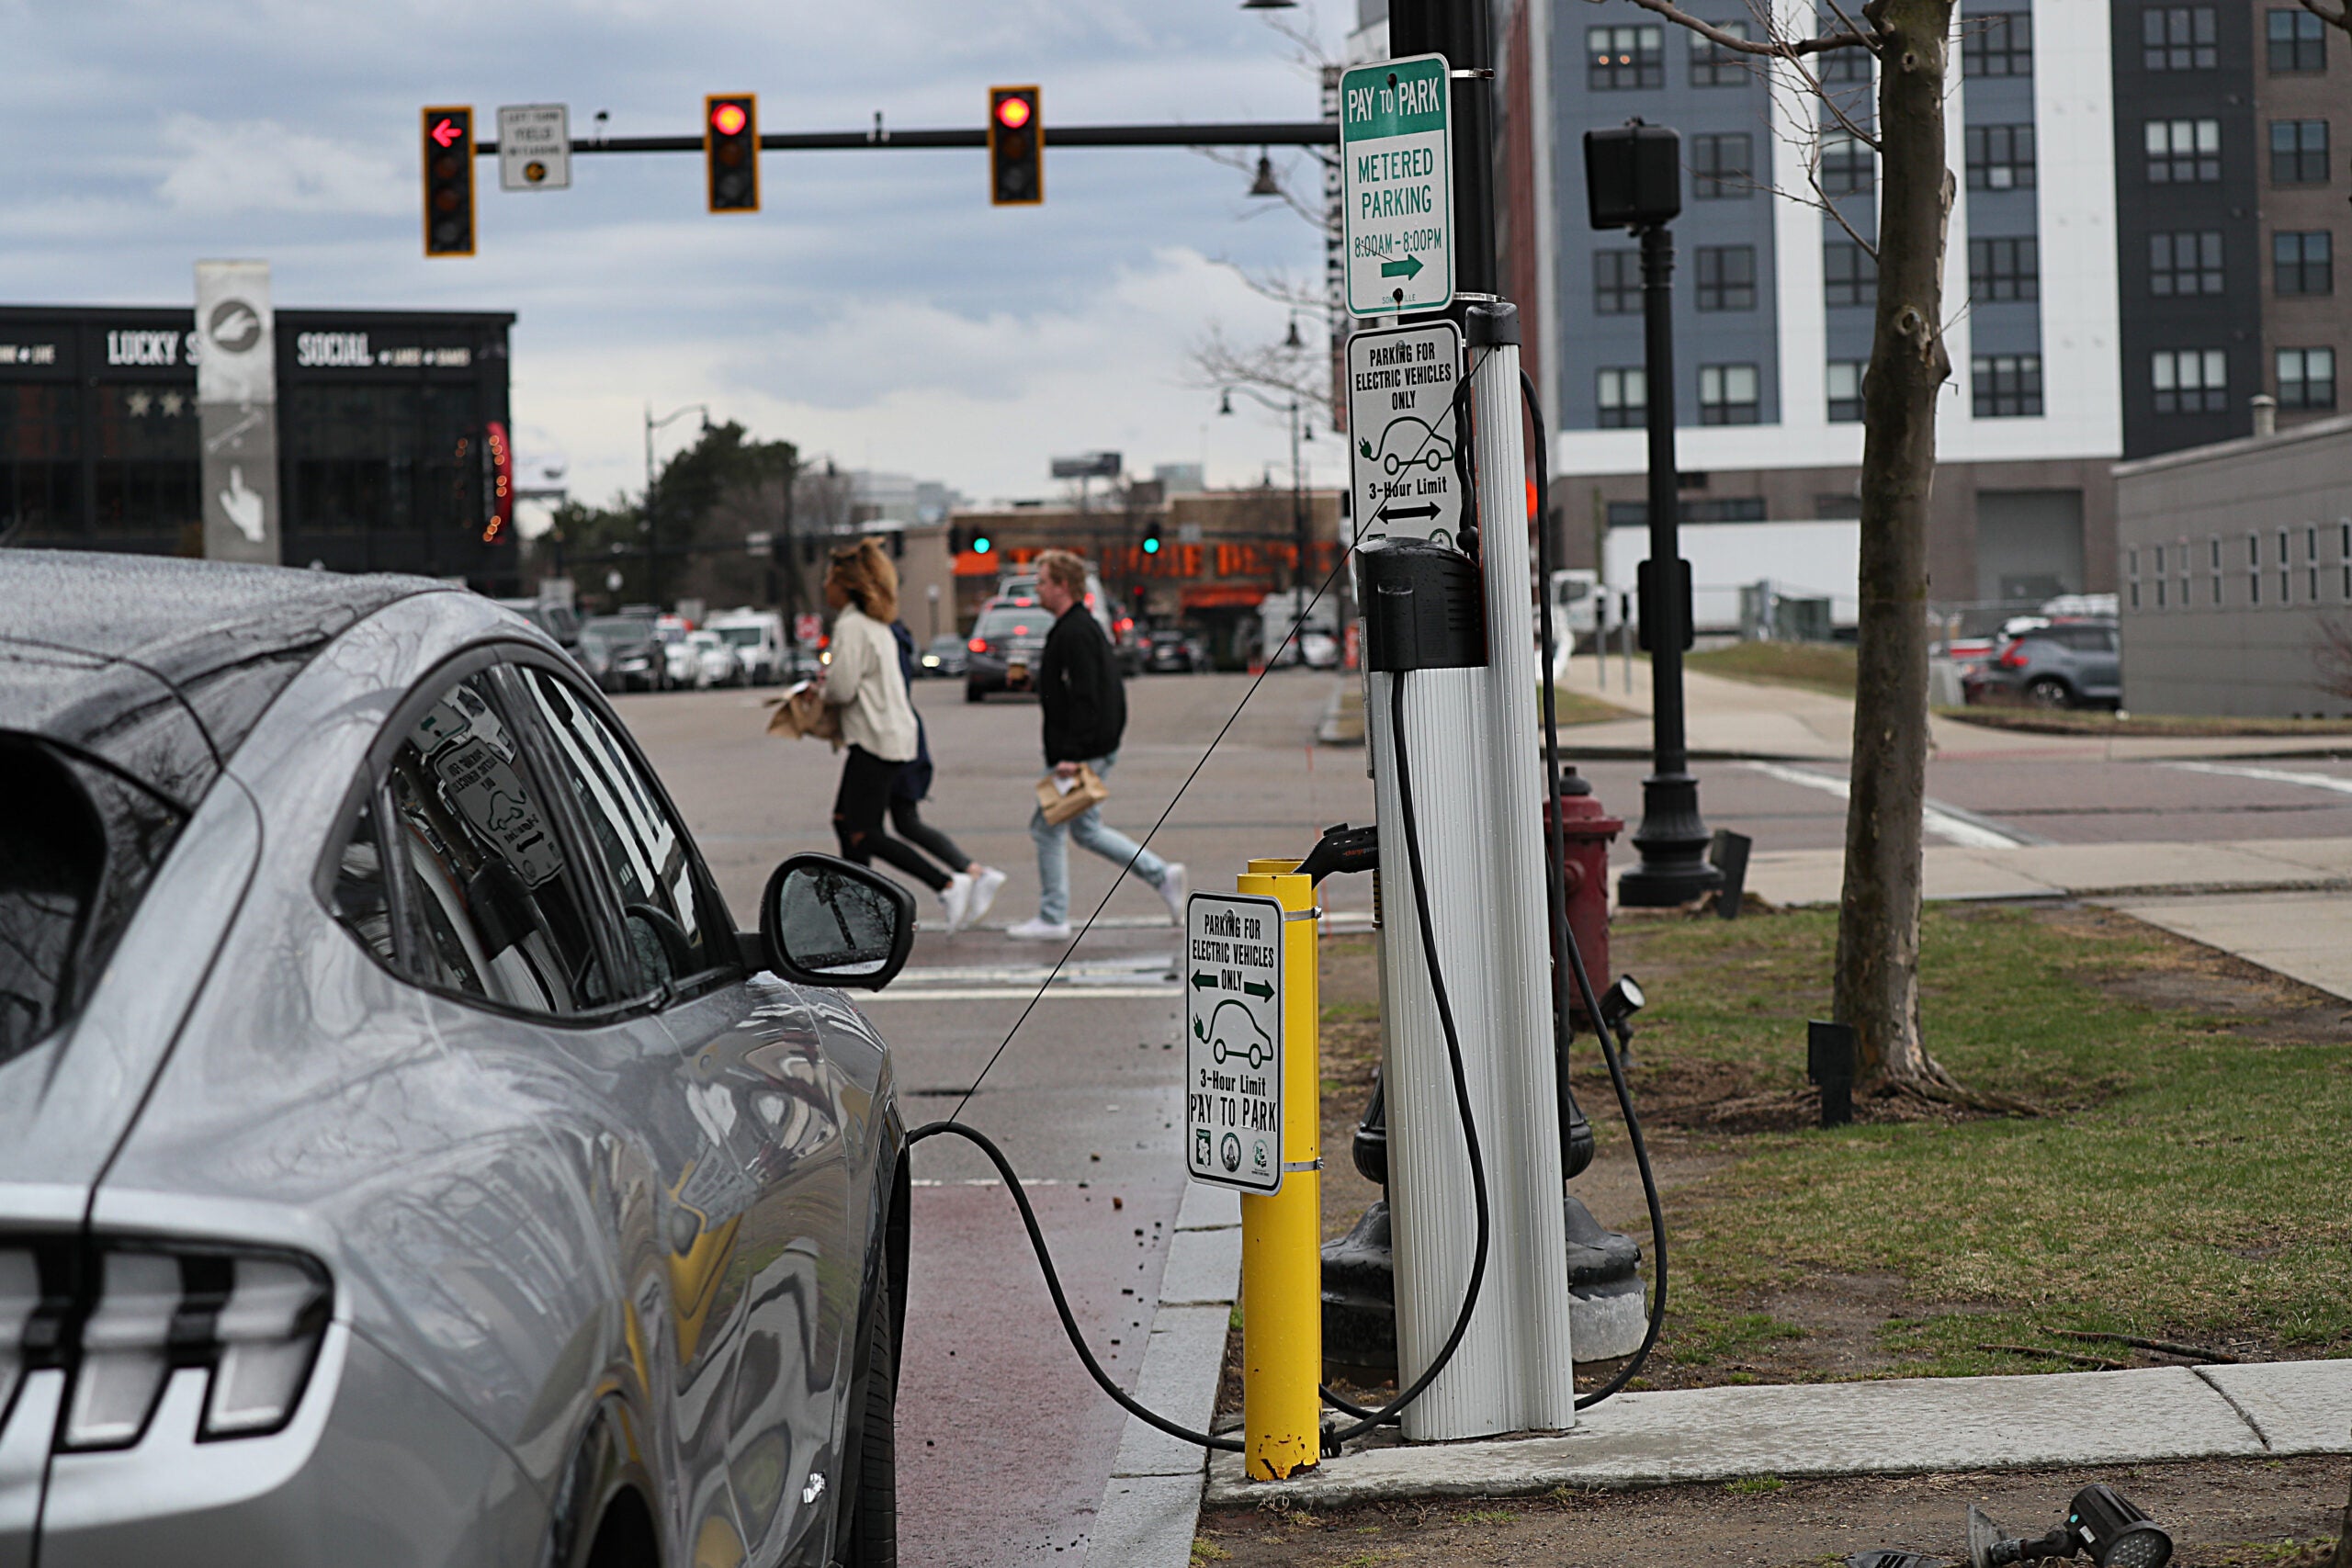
[1396, 185]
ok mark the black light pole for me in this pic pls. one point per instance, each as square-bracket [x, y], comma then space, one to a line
[1297, 484]
[1634, 180]
[652, 536]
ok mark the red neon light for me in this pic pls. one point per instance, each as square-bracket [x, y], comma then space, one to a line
[1013, 113]
[729, 118]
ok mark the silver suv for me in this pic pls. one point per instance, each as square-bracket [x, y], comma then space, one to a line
[2073, 663]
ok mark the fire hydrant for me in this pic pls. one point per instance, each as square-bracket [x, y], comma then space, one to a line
[1586, 833]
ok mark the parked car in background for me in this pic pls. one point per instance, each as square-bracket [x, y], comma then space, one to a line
[757, 637]
[679, 659]
[535, 1213]
[802, 664]
[556, 620]
[943, 658]
[1002, 655]
[716, 663]
[621, 654]
[2077, 663]
[1171, 650]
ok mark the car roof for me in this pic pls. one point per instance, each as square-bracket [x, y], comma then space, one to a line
[158, 665]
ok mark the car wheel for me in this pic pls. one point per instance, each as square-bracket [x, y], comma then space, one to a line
[873, 1512]
[2049, 692]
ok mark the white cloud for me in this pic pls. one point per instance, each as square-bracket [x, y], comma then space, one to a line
[260, 165]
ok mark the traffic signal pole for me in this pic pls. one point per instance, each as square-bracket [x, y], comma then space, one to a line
[1471, 737]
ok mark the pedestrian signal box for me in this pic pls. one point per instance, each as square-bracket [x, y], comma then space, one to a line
[730, 148]
[448, 147]
[1016, 148]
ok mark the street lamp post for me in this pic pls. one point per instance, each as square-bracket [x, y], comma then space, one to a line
[653, 535]
[1298, 433]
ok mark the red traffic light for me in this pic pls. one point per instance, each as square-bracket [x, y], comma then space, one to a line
[1013, 113]
[728, 119]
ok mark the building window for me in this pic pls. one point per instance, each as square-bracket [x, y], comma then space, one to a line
[1722, 167]
[2132, 574]
[2301, 262]
[1726, 277]
[1837, 508]
[2007, 386]
[1997, 45]
[1846, 163]
[1845, 392]
[1849, 273]
[1999, 157]
[2310, 560]
[2214, 545]
[2184, 151]
[2160, 577]
[1848, 65]
[1620, 397]
[2307, 377]
[2002, 270]
[2254, 568]
[2185, 263]
[1616, 282]
[1624, 57]
[2286, 573]
[2176, 37]
[1718, 509]
[2343, 556]
[1727, 394]
[1712, 65]
[2190, 380]
[2298, 40]
[2298, 152]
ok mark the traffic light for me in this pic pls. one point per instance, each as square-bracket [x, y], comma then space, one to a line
[448, 181]
[731, 151]
[1151, 538]
[1016, 148]
[980, 545]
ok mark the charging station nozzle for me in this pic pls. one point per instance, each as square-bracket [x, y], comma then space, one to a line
[1342, 848]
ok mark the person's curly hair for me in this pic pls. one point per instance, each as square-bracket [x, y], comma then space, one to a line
[864, 571]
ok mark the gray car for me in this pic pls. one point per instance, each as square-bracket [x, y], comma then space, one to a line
[403, 1158]
[2063, 664]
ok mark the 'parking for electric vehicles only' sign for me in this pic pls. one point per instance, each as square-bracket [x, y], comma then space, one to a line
[1401, 433]
[1396, 185]
[1233, 1041]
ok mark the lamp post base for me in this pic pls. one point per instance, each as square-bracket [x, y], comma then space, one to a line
[1673, 839]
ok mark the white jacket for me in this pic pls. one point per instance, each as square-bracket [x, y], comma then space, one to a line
[864, 682]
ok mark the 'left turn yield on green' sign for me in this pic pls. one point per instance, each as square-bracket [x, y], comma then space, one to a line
[1396, 185]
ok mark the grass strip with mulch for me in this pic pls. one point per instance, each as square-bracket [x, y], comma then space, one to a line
[1579, 708]
[1815, 666]
[2092, 721]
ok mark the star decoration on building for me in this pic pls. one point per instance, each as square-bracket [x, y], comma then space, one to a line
[137, 402]
[173, 404]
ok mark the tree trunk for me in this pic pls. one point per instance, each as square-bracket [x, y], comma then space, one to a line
[1878, 915]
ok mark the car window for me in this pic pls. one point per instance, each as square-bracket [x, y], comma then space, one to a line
[1013, 623]
[491, 906]
[652, 860]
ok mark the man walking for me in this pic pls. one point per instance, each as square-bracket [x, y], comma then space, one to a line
[1086, 713]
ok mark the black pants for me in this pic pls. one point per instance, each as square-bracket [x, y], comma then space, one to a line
[906, 816]
[858, 806]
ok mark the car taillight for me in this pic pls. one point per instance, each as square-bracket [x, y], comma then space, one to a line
[2012, 657]
[123, 1322]
[979, 645]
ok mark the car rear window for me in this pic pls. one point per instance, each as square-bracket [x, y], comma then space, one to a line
[78, 846]
[996, 624]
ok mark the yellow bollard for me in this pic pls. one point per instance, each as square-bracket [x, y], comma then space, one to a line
[1282, 1236]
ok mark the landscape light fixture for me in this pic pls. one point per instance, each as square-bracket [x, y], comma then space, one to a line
[1621, 1002]
[2100, 1524]
[1293, 341]
[1265, 184]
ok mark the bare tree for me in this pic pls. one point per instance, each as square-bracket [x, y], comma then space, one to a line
[2340, 15]
[1877, 986]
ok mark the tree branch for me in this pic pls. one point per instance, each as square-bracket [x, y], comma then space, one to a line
[1777, 49]
[2340, 17]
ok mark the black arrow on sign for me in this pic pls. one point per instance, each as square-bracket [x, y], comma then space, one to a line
[1401, 512]
[1205, 982]
[1258, 988]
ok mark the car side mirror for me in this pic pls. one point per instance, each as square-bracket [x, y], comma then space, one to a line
[824, 921]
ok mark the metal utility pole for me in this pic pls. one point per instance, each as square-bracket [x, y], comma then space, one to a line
[1472, 738]
[652, 530]
[1299, 431]
[1633, 178]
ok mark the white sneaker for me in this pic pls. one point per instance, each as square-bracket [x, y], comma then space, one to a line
[957, 897]
[985, 887]
[1039, 931]
[1173, 885]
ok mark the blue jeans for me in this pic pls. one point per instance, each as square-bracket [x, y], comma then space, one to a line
[1089, 828]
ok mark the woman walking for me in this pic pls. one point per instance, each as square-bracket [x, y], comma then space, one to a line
[877, 721]
[914, 787]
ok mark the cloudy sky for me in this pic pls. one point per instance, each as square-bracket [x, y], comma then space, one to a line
[878, 310]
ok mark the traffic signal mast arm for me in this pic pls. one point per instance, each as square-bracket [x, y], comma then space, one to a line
[1303, 134]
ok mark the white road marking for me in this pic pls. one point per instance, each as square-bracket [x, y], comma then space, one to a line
[2268, 776]
[1946, 822]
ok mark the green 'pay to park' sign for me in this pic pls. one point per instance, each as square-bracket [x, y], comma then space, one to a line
[1396, 181]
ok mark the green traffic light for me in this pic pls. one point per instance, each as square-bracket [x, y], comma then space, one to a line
[1152, 546]
[980, 546]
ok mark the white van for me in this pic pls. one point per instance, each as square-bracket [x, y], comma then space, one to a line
[757, 637]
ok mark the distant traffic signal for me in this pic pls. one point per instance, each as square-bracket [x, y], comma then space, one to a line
[1016, 148]
[980, 545]
[1151, 538]
[730, 150]
[448, 181]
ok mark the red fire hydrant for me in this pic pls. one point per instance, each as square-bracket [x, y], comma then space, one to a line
[1586, 832]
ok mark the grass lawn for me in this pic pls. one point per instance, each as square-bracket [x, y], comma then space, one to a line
[2096, 721]
[2188, 1183]
[1574, 707]
[1816, 666]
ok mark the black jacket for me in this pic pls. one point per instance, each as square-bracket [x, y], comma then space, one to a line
[1077, 683]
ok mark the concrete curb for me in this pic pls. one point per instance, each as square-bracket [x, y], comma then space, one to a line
[1899, 1427]
[1153, 1499]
